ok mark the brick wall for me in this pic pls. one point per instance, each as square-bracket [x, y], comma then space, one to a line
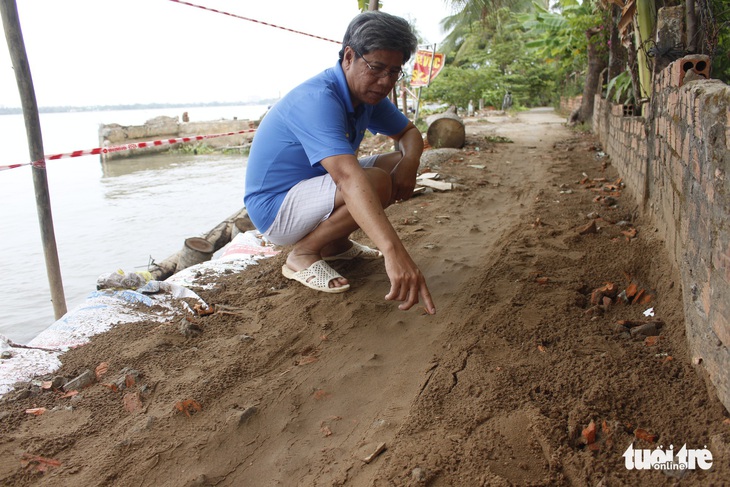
[675, 157]
[568, 105]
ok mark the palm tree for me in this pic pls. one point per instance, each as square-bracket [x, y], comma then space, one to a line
[470, 17]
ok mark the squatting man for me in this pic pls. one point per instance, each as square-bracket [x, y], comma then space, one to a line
[306, 188]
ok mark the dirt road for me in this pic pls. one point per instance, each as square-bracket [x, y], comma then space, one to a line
[542, 365]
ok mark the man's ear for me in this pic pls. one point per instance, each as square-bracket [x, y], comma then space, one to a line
[349, 56]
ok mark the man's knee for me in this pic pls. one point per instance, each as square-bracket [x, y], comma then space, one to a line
[381, 182]
[388, 161]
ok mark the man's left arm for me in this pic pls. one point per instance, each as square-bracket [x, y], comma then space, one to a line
[410, 144]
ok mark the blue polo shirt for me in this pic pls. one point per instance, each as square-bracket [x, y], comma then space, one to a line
[314, 121]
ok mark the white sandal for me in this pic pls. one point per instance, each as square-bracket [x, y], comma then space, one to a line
[317, 276]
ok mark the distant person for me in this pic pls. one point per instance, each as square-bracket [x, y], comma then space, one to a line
[507, 101]
[306, 188]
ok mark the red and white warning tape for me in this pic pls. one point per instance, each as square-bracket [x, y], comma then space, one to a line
[124, 147]
[141, 145]
[252, 20]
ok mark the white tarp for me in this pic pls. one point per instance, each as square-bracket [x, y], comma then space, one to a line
[106, 308]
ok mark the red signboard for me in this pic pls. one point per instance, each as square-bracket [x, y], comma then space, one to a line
[426, 62]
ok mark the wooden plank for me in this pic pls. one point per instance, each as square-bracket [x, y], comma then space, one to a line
[437, 185]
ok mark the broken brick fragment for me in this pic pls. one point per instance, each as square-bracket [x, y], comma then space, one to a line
[608, 290]
[643, 434]
[132, 402]
[647, 329]
[588, 229]
[631, 290]
[589, 433]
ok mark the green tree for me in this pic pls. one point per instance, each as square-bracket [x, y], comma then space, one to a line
[574, 36]
[560, 49]
[716, 22]
[493, 59]
[456, 86]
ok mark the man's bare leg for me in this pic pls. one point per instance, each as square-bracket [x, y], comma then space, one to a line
[332, 235]
[387, 163]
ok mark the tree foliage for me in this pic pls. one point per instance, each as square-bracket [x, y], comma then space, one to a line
[541, 51]
[456, 86]
[489, 57]
[718, 27]
[558, 36]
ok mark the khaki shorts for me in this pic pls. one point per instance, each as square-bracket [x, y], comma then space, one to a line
[306, 205]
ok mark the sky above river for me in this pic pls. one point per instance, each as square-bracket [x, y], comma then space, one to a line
[111, 52]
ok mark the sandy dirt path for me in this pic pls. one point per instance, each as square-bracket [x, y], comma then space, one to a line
[532, 372]
[376, 359]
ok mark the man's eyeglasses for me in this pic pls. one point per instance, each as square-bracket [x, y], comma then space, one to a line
[382, 72]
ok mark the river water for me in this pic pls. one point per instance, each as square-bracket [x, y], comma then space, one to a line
[116, 217]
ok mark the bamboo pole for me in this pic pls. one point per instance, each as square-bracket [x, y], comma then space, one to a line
[16, 46]
[643, 30]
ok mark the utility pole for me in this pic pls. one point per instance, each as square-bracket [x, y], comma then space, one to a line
[16, 46]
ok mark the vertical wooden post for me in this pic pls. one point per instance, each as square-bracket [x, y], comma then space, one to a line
[16, 46]
[418, 105]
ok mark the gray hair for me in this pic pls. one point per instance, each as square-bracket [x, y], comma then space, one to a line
[375, 30]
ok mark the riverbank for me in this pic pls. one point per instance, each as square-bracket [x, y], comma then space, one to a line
[160, 133]
[558, 343]
[107, 216]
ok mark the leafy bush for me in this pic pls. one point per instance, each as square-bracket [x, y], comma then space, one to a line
[619, 89]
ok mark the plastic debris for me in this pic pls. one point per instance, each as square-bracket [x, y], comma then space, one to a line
[122, 280]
